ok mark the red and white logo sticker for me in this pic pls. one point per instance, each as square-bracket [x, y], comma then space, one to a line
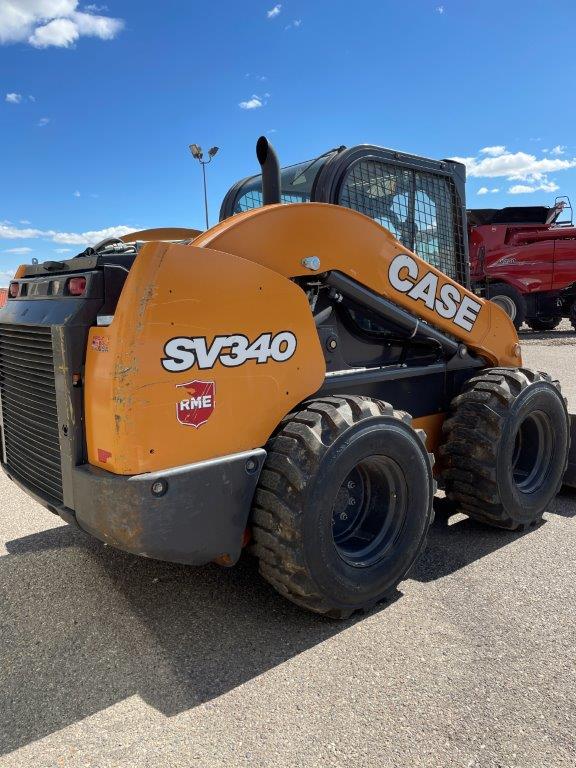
[197, 406]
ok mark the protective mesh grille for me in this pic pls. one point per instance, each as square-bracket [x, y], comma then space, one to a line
[419, 208]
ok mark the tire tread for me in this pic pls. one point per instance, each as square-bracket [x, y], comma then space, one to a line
[472, 433]
[294, 454]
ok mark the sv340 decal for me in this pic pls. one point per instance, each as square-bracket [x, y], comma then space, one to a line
[184, 352]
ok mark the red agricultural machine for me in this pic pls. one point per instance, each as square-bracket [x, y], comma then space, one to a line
[524, 260]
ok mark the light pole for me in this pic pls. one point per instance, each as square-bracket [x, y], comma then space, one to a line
[198, 154]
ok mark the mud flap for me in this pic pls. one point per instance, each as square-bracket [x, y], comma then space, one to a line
[570, 476]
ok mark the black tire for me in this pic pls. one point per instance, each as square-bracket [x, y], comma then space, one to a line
[573, 315]
[510, 300]
[308, 547]
[506, 447]
[543, 323]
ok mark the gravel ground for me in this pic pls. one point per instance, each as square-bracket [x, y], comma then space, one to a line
[111, 660]
[553, 352]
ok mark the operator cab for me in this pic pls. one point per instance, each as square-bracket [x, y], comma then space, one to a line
[420, 201]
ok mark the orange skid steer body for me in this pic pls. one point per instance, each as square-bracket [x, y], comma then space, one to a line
[222, 318]
[225, 311]
[146, 412]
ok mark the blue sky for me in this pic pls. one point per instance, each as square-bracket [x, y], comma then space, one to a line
[98, 103]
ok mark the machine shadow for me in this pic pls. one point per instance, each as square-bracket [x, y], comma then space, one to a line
[566, 502]
[455, 541]
[85, 626]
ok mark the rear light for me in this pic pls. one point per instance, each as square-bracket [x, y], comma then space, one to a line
[14, 290]
[77, 286]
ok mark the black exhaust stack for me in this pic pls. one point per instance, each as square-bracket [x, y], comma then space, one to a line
[270, 171]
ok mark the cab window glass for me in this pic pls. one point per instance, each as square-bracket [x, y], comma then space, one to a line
[296, 182]
[417, 208]
[382, 192]
[434, 232]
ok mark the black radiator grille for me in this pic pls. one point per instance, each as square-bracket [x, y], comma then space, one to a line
[29, 415]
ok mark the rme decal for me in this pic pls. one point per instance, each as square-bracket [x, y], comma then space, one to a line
[184, 352]
[450, 303]
[195, 409]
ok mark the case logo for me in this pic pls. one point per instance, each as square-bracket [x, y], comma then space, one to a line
[449, 302]
[197, 406]
[183, 353]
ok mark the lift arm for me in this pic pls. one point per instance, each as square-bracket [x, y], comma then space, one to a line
[298, 240]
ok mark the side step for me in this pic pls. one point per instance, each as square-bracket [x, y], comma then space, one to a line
[570, 476]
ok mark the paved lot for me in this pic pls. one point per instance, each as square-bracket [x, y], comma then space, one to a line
[110, 660]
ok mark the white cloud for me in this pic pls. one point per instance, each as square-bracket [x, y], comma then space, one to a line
[296, 24]
[103, 27]
[61, 33]
[486, 191]
[9, 232]
[254, 103]
[494, 151]
[499, 162]
[520, 166]
[440, 9]
[19, 251]
[91, 237]
[31, 98]
[273, 12]
[13, 98]
[24, 221]
[559, 149]
[43, 121]
[524, 189]
[77, 193]
[62, 250]
[59, 23]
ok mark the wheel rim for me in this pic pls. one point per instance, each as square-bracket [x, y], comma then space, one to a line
[533, 452]
[507, 304]
[369, 511]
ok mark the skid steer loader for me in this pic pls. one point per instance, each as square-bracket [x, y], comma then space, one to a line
[296, 379]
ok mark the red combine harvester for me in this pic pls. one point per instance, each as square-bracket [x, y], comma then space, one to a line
[524, 259]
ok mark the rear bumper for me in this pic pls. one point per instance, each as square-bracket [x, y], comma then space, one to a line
[200, 516]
